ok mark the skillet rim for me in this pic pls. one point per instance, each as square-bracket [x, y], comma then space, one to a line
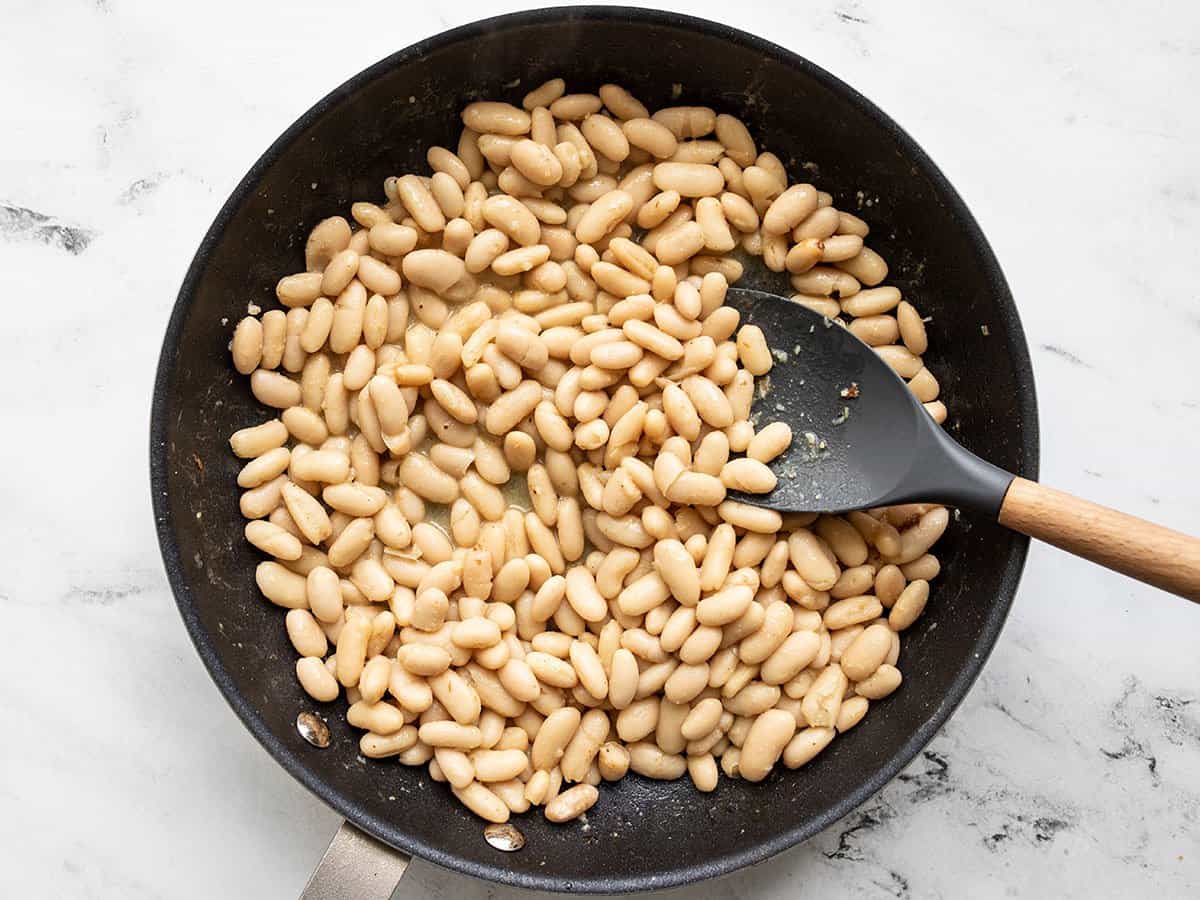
[389, 831]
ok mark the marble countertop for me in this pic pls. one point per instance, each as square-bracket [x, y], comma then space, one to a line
[1074, 766]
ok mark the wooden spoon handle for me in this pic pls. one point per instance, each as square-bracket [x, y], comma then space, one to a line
[1151, 553]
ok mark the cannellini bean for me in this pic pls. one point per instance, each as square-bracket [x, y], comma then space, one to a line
[852, 711]
[623, 678]
[483, 802]
[584, 745]
[872, 302]
[807, 743]
[879, 685]
[689, 179]
[572, 803]
[602, 215]
[536, 162]
[575, 106]
[753, 350]
[909, 605]
[545, 94]
[748, 475]
[687, 121]
[649, 760]
[916, 541]
[433, 269]
[553, 736]
[789, 209]
[821, 704]
[488, 117]
[513, 218]
[583, 596]
[498, 765]
[765, 743]
[867, 266]
[316, 679]
[678, 571]
[912, 328]
[613, 761]
[252, 442]
[852, 611]
[866, 652]
[680, 244]
[426, 480]
[264, 468]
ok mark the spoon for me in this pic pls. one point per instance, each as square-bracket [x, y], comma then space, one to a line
[860, 439]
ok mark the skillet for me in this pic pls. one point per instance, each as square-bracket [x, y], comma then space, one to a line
[643, 834]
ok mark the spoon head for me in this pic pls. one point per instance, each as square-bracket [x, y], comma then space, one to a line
[858, 433]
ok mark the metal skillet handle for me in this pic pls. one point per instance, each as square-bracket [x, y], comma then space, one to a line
[355, 867]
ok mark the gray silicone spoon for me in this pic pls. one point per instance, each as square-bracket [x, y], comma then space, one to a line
[860, 439]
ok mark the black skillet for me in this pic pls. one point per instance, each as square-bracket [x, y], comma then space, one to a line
[643, 834]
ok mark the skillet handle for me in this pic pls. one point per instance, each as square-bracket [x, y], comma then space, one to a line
[355, 867]
[1151, 553]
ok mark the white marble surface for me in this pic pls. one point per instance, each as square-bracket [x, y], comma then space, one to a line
[1074, 767]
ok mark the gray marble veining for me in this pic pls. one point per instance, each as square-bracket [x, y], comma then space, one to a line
[1072, 769]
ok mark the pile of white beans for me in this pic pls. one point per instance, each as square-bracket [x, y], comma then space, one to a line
[510, 403]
